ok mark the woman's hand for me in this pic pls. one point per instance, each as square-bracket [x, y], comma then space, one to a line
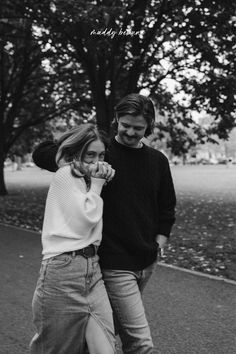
[101, 169]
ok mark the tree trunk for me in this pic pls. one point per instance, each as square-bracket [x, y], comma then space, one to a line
[18, 160]
[102, 113]
[3, 190]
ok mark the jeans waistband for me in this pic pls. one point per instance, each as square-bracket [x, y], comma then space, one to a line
[87, 252]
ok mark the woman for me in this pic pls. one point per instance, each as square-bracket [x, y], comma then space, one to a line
[70, 303]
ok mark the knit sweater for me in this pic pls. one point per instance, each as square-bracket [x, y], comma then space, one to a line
[139, 204]
[73, 215]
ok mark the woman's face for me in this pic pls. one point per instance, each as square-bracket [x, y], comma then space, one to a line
[95, 152]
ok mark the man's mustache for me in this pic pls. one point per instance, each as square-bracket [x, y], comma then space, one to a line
[130, 136]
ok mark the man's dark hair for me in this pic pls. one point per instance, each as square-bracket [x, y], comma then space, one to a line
[135, 104]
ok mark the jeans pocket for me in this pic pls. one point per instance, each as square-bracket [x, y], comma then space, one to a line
[60, 261]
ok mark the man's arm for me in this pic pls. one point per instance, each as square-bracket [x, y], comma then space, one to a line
[44, 156]
[167, 208]
[167, 203]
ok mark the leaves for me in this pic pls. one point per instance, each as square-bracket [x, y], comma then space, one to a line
[190, 43]
[203, 238]
[52, 67]
[24, 208]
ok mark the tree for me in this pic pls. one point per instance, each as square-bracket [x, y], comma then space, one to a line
[99, 51]
[30, 138]
[124, 46]
[31, 93]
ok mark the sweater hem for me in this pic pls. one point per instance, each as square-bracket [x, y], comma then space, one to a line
[120, 263]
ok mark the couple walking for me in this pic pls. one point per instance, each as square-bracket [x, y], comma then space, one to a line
[97, 258]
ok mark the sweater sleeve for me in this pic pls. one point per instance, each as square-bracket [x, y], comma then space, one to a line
[167, 201]
[44, 156]
[89, 205]
[80, 210]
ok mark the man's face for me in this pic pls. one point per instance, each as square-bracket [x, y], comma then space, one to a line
[131, 130]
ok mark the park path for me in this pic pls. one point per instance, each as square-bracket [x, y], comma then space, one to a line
[188, 314]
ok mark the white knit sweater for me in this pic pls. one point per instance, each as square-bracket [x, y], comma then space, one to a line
[73, 215]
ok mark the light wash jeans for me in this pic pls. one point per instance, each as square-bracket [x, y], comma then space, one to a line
[69, 290]
[125, 293]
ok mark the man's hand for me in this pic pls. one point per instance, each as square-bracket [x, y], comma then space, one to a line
[161, 239]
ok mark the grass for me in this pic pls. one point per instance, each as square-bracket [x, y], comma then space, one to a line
[203, 238]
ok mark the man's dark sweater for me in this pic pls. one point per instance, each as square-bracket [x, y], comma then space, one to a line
[139, 203]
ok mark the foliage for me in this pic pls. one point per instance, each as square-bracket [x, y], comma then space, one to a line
[68, 59]
[124, 46]
[30, 138]
[31, 93]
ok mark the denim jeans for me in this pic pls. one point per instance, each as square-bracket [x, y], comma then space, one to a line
[125, 292]
[69, 290]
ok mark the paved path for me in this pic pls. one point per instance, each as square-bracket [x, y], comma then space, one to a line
[188, 314]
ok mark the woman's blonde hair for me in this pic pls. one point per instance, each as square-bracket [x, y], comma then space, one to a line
[73, 145]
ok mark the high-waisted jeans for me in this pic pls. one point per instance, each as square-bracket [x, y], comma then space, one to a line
[69, 290]
[125, 292]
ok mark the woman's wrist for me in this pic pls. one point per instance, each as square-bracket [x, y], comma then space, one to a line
[96, 184]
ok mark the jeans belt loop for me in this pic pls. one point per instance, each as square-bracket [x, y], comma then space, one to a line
[86, 249]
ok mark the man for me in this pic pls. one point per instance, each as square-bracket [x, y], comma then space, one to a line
[139, 211]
